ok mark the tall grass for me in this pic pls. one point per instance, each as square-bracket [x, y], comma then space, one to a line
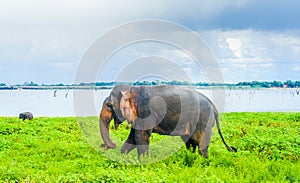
[68, 150]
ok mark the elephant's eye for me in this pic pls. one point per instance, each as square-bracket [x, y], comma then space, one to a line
[109, 104]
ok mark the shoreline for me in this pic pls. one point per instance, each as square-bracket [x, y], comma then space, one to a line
[110, 87]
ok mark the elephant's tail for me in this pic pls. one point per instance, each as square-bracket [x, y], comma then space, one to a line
[229, 148]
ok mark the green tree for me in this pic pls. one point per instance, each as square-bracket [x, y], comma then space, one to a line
[290, 84]
[277, 84]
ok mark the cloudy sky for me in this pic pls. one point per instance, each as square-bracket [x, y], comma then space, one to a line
[44, 41]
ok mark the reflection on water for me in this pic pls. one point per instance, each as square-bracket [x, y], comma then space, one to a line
[60, 102]
[263, 100]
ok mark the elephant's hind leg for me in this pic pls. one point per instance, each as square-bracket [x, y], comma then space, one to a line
[204, 142]
[205, 135]
[204, 152]
[188, 142]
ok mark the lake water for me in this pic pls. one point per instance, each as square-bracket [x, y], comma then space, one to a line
[60, 102]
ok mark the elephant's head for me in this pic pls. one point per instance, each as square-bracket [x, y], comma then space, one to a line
[111, 110]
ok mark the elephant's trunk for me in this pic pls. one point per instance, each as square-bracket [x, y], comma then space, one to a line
[105, 118]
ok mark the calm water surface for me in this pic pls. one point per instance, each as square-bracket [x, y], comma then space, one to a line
[60, 102]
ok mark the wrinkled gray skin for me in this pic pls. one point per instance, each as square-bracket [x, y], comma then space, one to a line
[26, 115]
[166, 110]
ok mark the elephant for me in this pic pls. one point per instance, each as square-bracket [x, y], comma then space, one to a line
[162, 109]
[26, 115]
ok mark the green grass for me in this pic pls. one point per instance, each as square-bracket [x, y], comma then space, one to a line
[68, 150]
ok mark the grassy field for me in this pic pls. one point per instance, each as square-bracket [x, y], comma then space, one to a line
[67, 150]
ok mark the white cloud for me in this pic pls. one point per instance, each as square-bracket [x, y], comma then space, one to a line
[288, 41]
[235, 46]
[252, 45]
[64, 66]
[296, 68]
[255, 55]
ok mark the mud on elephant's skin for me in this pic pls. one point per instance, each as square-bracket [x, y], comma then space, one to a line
[26, 115]
[166, 110]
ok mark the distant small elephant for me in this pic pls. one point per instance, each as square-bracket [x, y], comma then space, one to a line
[26, 115]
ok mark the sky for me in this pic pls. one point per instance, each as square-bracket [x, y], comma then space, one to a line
[44, 41]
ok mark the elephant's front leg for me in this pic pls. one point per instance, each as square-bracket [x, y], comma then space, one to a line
[142, 139]
[130, 142]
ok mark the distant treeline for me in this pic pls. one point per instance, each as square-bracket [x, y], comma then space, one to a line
[105, 85]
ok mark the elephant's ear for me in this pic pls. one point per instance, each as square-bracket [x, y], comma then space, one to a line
[127, 107]
[123, 104]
